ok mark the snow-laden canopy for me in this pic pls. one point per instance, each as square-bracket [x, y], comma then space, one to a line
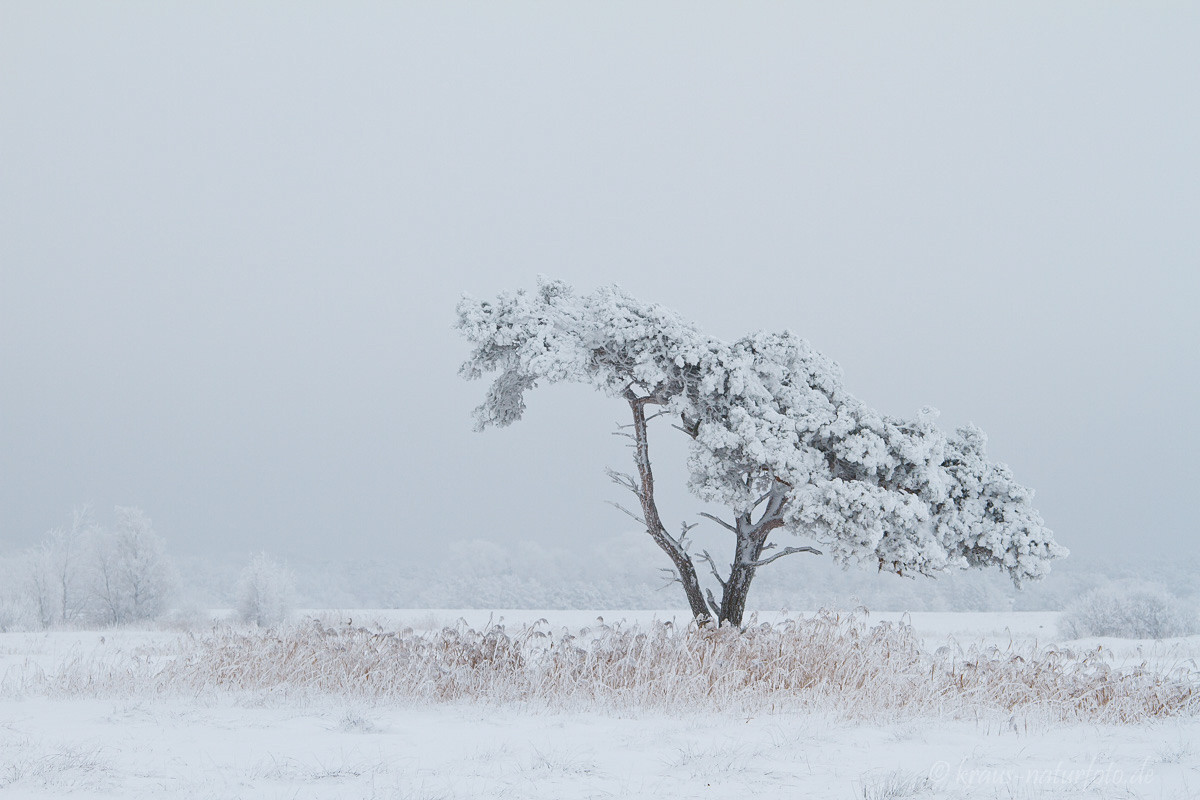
[768, 414]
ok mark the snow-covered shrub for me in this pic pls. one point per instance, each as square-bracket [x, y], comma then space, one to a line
[1128, 611]
[16, 611]
[265, 592]
[17, 614]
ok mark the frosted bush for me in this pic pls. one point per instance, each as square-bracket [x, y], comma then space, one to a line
[265, 592]
[17, 614]
[1129, 611]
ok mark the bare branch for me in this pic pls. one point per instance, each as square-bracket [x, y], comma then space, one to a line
[672, 578]
[623, 479]
[685, 529]
[676, 543]
[762, 562]
[720, 522]
[706, 556]
[625, 510]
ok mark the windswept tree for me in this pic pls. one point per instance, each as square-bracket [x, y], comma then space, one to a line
[775, 438]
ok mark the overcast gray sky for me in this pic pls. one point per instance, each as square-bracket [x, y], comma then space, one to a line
[232, 237]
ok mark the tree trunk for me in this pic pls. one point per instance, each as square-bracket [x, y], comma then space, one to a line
[751, 537]
[750, 542]
[684, 567]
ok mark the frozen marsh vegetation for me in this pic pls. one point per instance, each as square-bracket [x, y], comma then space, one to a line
[1129, 610]
[828, 705]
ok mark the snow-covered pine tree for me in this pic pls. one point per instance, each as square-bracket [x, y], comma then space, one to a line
[775, 438]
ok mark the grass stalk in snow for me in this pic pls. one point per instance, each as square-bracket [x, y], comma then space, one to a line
[826, 662]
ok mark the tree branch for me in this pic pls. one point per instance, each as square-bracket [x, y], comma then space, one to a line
[772, 516]
[683, 533]
[713, 604]
[690, 426]
[672, 577]
[623, 479]
[784, 552]
[625, 510]
[720, 522]
[705, 556]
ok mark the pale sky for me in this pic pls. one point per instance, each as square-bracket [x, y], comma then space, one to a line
[232, 237]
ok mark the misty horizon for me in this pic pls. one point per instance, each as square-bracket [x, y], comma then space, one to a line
[230, 250]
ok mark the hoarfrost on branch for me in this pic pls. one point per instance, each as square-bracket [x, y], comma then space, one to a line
[776, 438]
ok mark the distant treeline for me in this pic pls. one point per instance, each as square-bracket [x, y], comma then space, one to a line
[623, 573]
[88, 573]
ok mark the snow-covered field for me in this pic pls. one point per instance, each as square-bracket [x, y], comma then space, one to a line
[272, 744]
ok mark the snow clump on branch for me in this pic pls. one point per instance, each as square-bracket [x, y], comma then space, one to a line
[764, 412]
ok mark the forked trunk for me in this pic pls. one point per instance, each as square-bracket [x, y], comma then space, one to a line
[733, 598]
[750, 543]
[751, 536]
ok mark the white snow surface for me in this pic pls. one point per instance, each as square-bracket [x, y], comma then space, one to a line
[266, 746]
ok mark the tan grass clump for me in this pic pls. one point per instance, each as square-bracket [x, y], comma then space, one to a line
[1068, 685]
[829, 661]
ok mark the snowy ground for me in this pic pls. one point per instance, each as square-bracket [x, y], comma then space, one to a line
[262, 745]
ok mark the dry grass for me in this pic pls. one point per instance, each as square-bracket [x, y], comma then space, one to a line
[827, 662]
